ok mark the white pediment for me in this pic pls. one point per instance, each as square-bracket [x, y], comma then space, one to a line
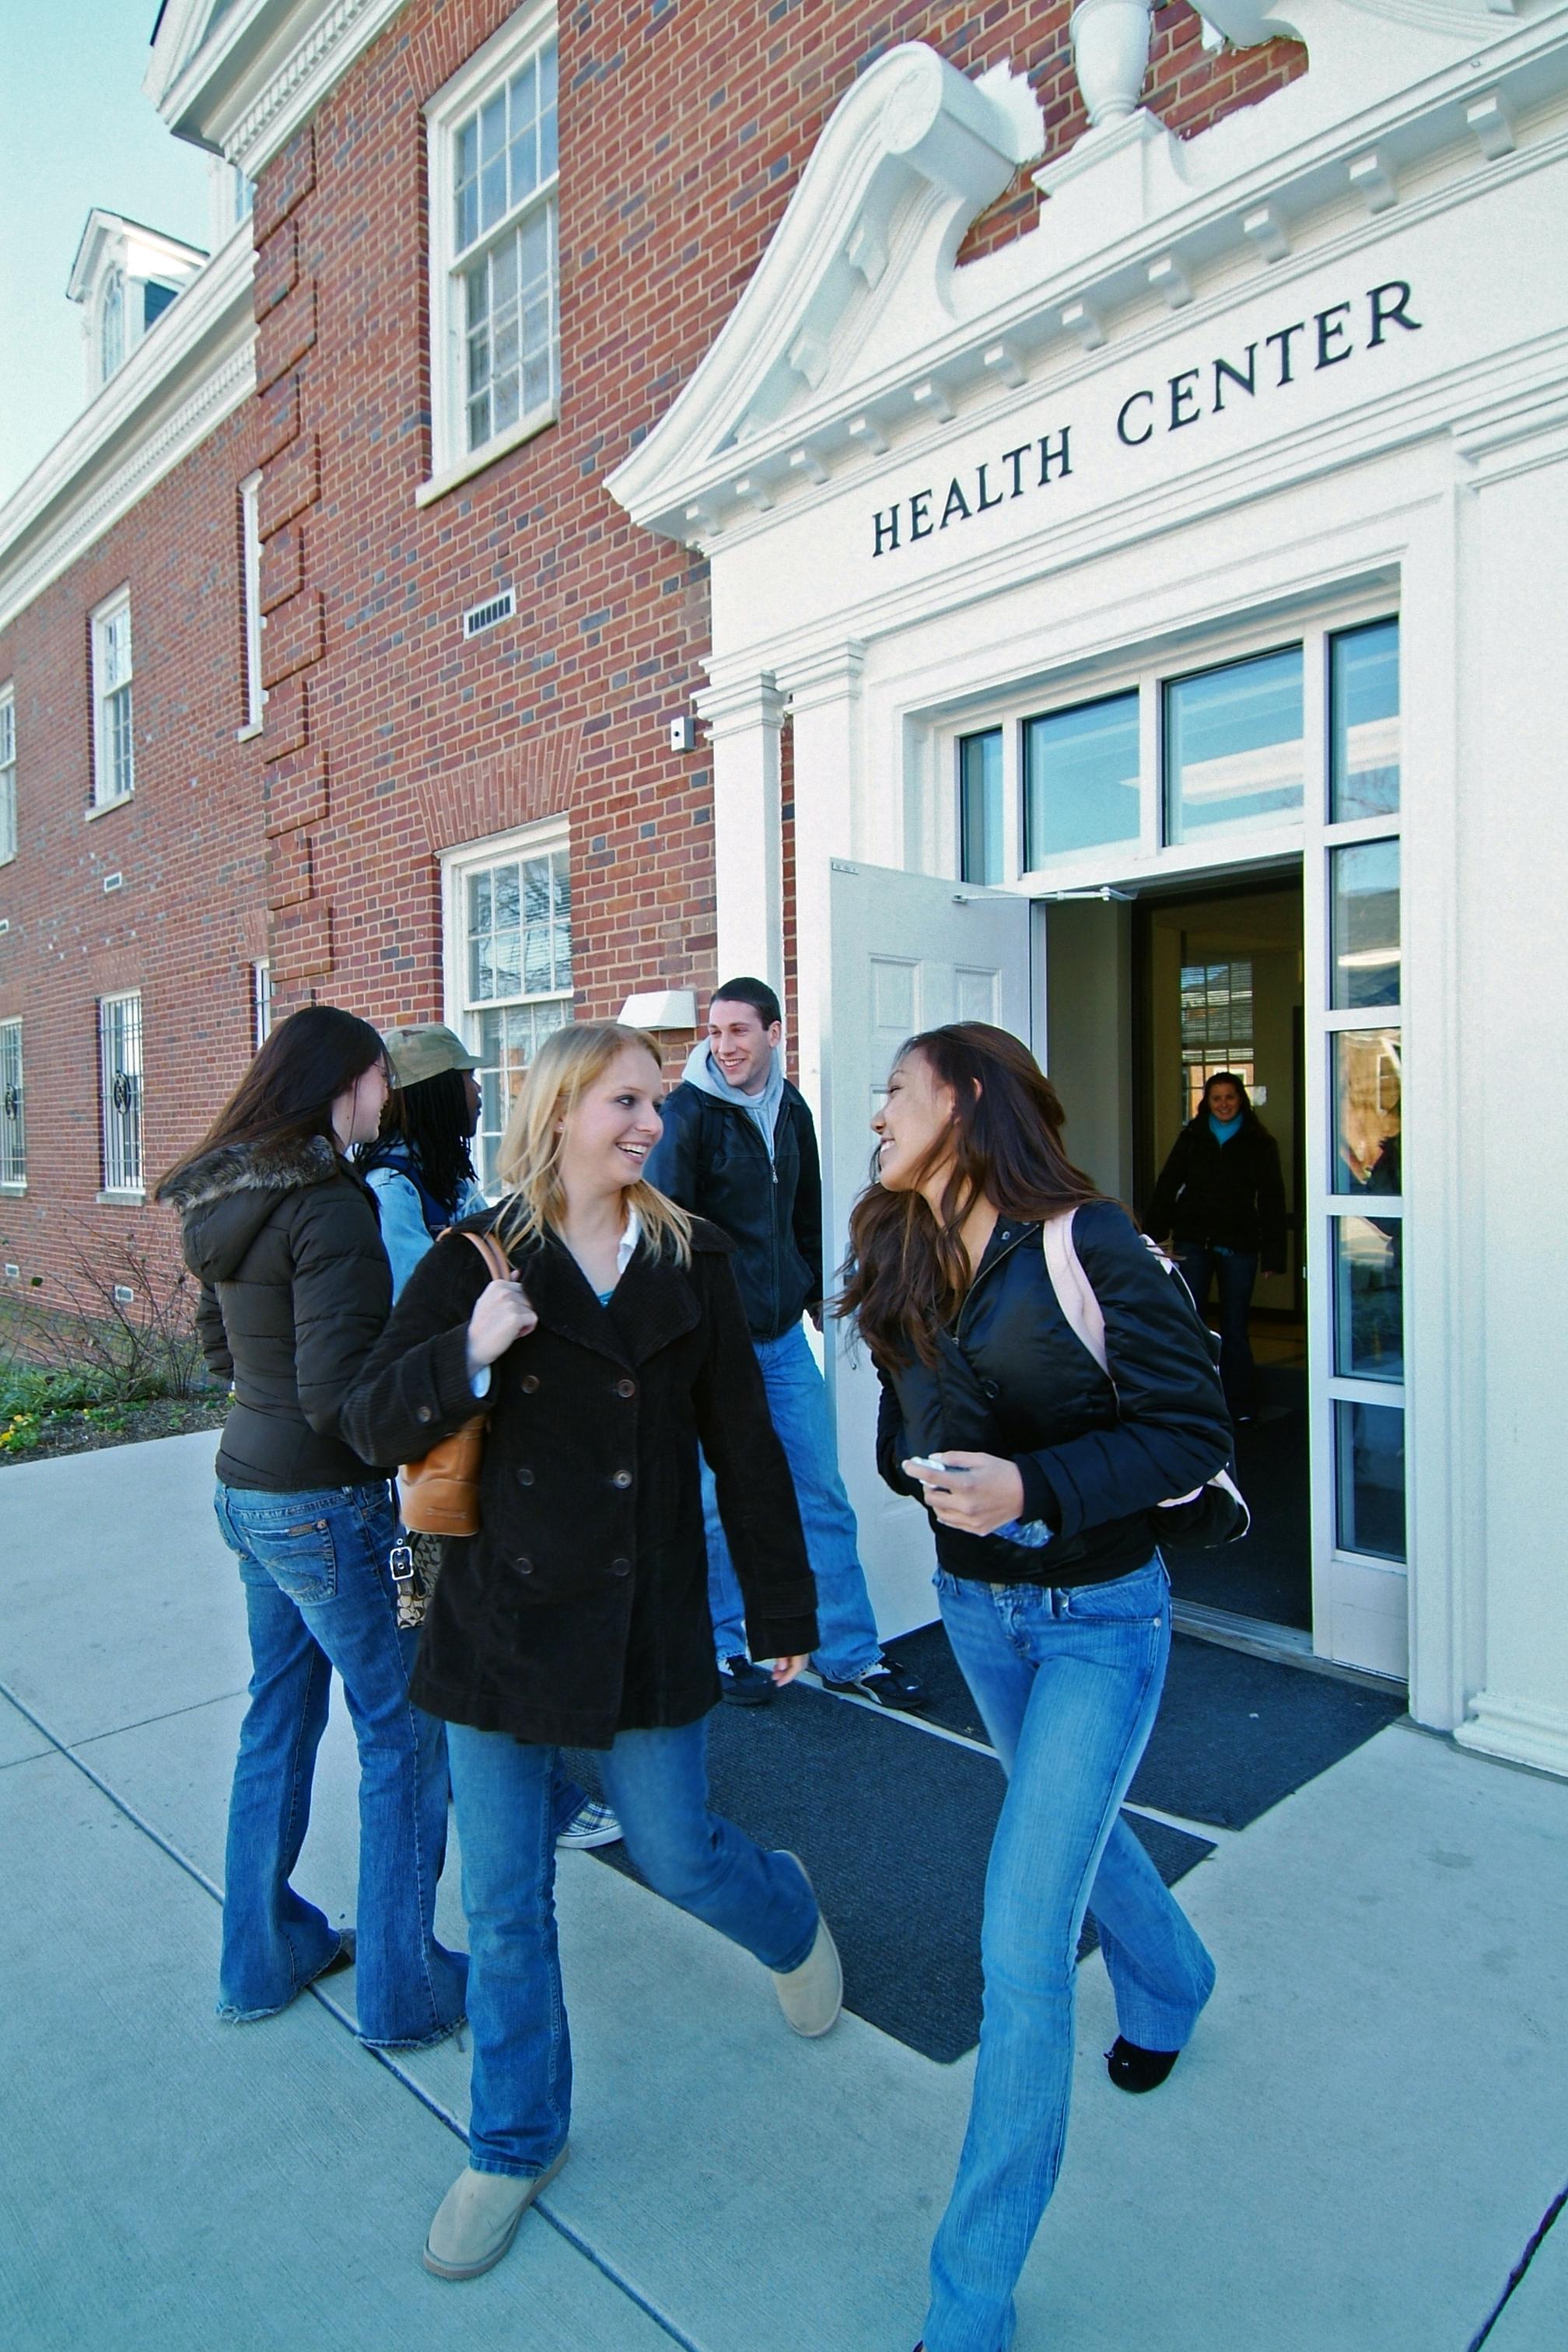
[859, 328]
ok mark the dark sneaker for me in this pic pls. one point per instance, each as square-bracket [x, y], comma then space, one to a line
[887, 1684]
[742, 1684]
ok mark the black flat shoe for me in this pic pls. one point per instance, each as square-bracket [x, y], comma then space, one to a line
[1133, 2069]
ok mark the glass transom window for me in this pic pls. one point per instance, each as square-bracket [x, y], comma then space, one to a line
[1080, 779]
[1233, 746]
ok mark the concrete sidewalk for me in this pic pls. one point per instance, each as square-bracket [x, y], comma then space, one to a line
[1354, 2155]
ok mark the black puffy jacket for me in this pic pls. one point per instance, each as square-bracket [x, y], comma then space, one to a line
[1226, 1195]
[1097, 1455]
[712, 1160]
[296, 1288]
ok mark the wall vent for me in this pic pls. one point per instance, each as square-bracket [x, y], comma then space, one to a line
[113, 882]
[123, 1294]
[5, 925]
[479, 617]
[13, 1273]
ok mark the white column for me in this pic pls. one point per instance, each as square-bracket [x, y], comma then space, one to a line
[744, 715]
[829, 778]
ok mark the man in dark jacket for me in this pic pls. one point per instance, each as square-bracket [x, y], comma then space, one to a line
[740, 1148]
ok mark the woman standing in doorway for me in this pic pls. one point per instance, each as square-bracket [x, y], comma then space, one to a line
[1041, 1475]
[1219, 1207]
[295, 1290]
[579, 1613]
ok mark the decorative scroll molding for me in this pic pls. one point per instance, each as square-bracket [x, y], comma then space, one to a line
[304, 80]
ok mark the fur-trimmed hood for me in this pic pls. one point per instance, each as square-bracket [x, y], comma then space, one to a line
[226, 1197]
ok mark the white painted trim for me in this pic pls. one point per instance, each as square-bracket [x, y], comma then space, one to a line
[175, 387]
[254, 618]
[266, 69]
[1519, 1733]
[480, 460]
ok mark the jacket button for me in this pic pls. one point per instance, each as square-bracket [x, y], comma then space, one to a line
[525, 1477]
[529, 1383]
[625, 1388]
[622, 1479]
[523, 1565]
[424, 1412]
[620, 1568]
[990, 1388]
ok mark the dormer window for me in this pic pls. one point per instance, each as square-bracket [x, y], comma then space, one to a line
[111, 326]
[125, 277]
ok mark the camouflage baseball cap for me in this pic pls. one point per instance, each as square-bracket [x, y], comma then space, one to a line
[424, 1050]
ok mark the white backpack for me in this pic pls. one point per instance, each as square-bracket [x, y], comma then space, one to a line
[1074, 1295]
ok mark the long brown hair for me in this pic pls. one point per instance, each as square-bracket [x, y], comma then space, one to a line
[287, 1092]
[906, 1272]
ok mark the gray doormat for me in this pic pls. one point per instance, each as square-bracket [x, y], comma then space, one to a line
[1234, 1735]
[895, 1828]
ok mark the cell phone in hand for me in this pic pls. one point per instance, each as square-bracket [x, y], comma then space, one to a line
[931, 1463]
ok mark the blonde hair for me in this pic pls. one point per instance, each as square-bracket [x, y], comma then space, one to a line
[572, 1059]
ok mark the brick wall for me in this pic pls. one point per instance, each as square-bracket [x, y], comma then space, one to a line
[189, 918]
[684, 128]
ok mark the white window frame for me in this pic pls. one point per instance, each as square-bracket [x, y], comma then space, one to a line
[260, 1002]
[115, 291]
[251, 614]
[106, 791]
[7, 773]
[120, 1058]
[550, 837]
[529, 29]
[12, 1114]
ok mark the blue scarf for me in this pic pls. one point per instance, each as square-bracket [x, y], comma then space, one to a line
[1222, 1130]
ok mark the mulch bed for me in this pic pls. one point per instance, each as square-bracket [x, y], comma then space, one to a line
[87, 1432]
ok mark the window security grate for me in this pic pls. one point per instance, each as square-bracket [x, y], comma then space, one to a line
[480, 617]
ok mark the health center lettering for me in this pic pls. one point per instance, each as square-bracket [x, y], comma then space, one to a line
[1324, 339]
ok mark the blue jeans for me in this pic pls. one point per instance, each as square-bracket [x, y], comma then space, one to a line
[1068, 1683]
[1236, 1274]
[658, 1783]
[846, 1646]
[318, 1594]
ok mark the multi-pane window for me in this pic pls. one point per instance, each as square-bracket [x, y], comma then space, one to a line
[119, 1084]
[1363, 1033]
[250, 596]
[112, 325]
[7, 773]
[1216, 1025]
[493, 169]
[980, 806]
[114, 760]
[13, 1130]
[510, 966]
[260, 1002]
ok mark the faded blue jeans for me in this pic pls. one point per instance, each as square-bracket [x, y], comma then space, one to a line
[848, 1646]
[1235, 1274]
[1067, 1683]
[318, 1594]
[658, 1783]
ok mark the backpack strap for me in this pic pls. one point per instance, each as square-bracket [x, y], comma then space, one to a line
[1075, 1292]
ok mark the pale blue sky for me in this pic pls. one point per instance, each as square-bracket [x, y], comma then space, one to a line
[77, 133]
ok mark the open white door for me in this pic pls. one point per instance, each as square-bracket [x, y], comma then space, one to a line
[909, 952]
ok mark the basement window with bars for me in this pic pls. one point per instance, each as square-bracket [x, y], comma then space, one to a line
[507, 927]
[13, 1128]
[495, 307]
[119, 1086]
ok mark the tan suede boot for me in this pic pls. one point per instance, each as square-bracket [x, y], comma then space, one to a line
[477, 2220]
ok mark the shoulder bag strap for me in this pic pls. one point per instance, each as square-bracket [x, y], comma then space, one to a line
[1075, 1292]
[488, 1248]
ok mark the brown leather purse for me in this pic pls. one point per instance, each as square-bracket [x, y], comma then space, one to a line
[440, 1491]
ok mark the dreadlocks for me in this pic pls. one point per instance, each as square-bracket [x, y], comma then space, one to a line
[432, 1119]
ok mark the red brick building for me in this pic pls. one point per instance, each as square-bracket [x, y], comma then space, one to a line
[491, 244]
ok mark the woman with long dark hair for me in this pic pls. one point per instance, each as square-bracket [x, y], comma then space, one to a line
[1219, 1205]
[1042, 1476]
[578, 1615]
[295, 1290]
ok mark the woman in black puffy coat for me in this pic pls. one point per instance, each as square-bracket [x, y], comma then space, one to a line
[1220, 1202]
[1043, 1477]
[284, 1236]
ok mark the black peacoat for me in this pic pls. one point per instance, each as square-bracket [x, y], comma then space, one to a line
[580, 1607]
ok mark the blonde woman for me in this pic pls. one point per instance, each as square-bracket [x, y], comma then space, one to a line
[578, 1616]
